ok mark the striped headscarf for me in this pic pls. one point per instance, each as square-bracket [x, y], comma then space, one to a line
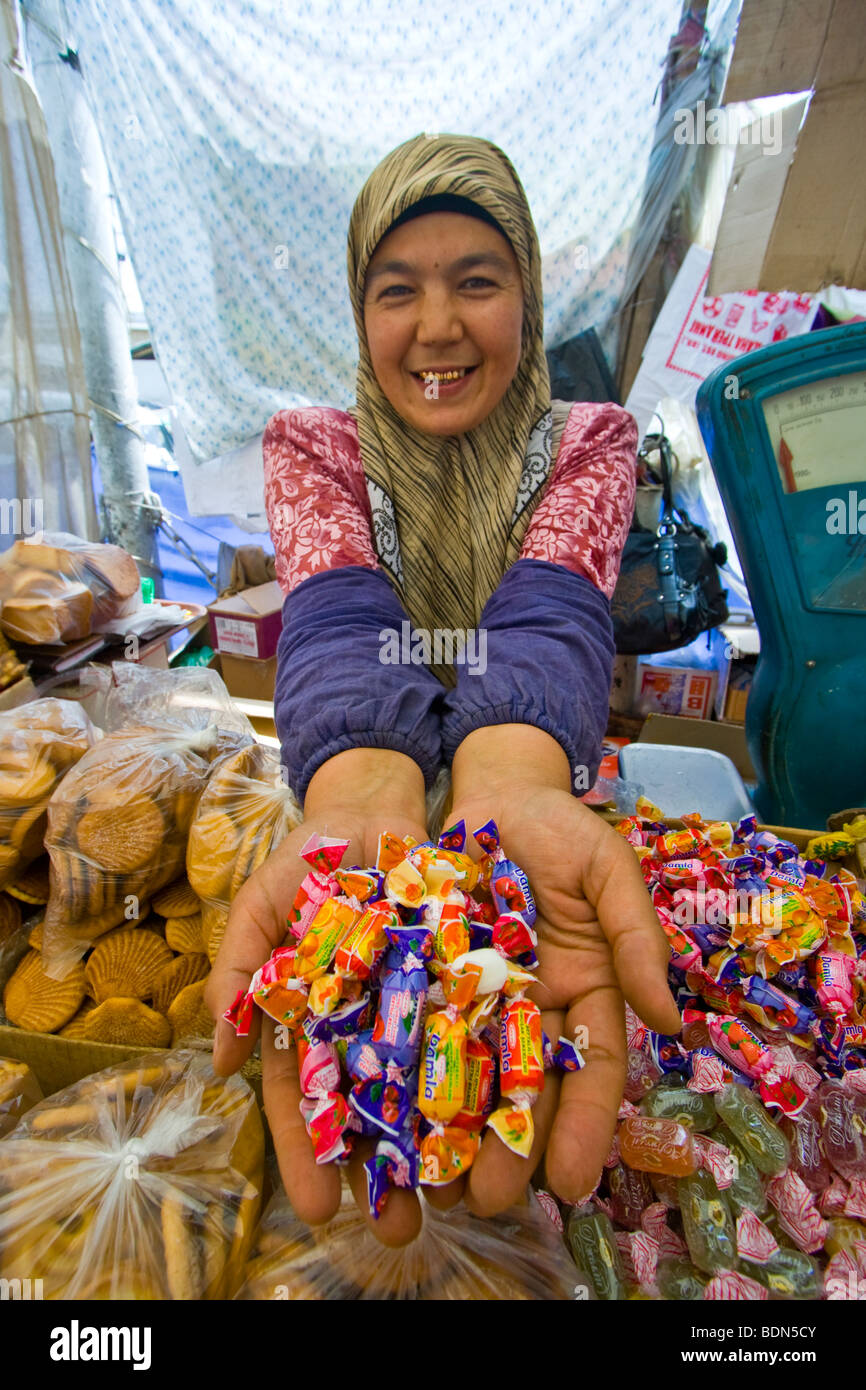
[450, 511]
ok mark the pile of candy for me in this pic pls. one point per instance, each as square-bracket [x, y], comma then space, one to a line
[411, 977]
[706, 1193]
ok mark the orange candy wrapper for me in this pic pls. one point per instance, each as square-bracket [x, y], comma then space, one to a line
[442, 1074]
[521, 1075]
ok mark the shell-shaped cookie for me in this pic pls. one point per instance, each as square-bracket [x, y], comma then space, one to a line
[122, 837]
[182, 971]
[213, 929]
[75, 1027]
[252, 851]
[126, 964]
[189, 1016]
[32, 885]
[10, 917]
[179, 899]
[253, 761]
[34, 1001]
[127, 1022]
[211, 853]
[184, 934]
[25, 775]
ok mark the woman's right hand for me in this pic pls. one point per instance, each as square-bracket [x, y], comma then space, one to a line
[354, 796]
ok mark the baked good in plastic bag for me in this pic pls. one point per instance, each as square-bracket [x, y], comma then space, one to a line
[19, 1092]
[11, 669]
[244, 813]
[39, 743]
[192, 697]
[457, 1256]
[59, 588]
[117, 832]
[142, 1181]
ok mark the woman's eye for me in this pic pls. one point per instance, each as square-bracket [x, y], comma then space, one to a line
[395, 291]
[477, 282]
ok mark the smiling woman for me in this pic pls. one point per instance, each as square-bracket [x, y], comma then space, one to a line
[455, 498]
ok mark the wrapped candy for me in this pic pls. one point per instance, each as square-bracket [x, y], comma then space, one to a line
[521, 1075]
[407, 974]
[739, 1045]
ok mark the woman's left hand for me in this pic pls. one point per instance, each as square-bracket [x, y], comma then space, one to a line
[599, 941]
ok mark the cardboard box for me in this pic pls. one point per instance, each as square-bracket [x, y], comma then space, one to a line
[729, 739]
[675, 690]
[247, 679]
[817, 237]
[248, 624]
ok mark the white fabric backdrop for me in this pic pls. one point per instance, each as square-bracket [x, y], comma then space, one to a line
[238, 133]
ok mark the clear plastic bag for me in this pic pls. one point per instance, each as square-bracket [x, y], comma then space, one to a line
[457, 1256]
[191, 697]
[117, 832]
[59, 588]
[19, 1092]
[143, 1181]
[39, 743]
[245, 811]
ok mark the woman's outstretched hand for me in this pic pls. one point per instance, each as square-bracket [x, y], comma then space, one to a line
[599, 942]
[354, 797]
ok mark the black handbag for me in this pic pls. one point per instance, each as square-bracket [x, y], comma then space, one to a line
[669, 590]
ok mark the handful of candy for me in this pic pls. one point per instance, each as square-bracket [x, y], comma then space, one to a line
[738, 1169]
[404, 990]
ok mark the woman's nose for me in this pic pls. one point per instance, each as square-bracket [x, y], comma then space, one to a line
[438, 320]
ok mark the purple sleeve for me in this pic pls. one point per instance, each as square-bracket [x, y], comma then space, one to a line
[333, 691]
[548, 662]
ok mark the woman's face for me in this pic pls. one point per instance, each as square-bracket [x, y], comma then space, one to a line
[443, 311]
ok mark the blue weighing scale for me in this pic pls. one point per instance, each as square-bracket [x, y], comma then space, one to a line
[785, 429]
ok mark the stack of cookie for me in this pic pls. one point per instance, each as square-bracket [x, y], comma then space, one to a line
[39, 743]
[117, 832]
[245, 811]
[141, 984]
[192, 1148]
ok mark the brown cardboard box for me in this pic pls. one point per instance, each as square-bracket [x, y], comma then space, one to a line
[248, 624]
[247, 679]
[818, 235]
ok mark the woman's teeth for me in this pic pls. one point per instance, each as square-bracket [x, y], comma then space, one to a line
[444, 376]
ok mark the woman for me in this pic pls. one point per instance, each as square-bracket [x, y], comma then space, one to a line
[442, 499]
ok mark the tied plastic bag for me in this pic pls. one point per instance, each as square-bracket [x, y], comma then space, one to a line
[117, 833]
[457, 1256]
[191, 697]
[39, 743]
[60, 588]
[245, 811]
[142, 1181]
[19, 1092]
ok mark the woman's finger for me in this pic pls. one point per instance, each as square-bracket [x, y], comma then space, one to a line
[589, 1099]
[400, 1220]
[498, 1178]
[639, 946]
[444, 1198]
[313, 1189]
[256, 925]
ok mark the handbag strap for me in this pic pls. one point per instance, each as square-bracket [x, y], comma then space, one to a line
[671, 596]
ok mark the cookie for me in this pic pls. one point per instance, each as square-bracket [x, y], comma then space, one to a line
[211, 854]
[34, 1001]
[188, 1016]
[213, 928]
[32, 884]
[179, 899]
[128, 1022]
[183, 1252]
[184, 934]
[122, 838]
[183, 970]
[126, 963]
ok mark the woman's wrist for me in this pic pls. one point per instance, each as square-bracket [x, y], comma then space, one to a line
[505, 759]
[362, 781]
